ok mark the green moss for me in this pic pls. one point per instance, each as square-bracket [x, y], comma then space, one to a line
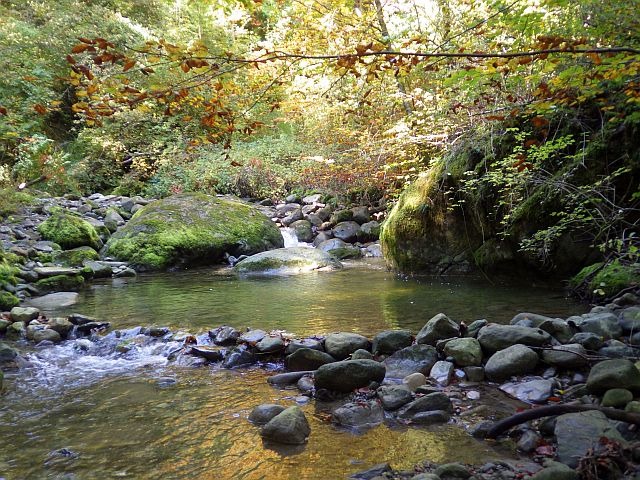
[60, 283]
[8, 301]
[607, 280]
[75, 257]
[345, 252]
[192, 229]
[11, 201]
[69, 231]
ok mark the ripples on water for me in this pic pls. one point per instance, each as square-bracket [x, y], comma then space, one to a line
[136, 415]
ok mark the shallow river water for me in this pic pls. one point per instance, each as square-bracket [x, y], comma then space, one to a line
[95, 413]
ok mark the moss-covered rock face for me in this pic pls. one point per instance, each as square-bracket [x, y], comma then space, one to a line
[287, 261]
[600, 280]
[59, 283]
[75, 257]
[69, 231]
[422, 234]
[8, 301]
[192, 229]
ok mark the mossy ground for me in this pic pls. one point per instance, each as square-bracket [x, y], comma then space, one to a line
[69, 231]
[74, 257]
[191, 229]
[11, 202]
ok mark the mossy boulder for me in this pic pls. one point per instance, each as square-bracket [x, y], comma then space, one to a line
[192, 229]
[69, 231]
[75, 257]
[8, 301]
[423, 234]
[11, 201]
[60, 283]
[286, 261]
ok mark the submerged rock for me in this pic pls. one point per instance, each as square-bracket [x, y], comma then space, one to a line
[359, 415]
[286, 261]
[262, 414]
[190, 229]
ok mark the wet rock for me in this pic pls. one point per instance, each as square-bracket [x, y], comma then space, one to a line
[527, 319]
[323, 237]
[474, 374]
[4, 324]
[442, 372]
[297, 344]
[307, 359]
[431, 417]
[369, 232]
[359, 415]
[604, 324]
[588, 340]
[88, 328]
[252, 336]
[303, 231]
[289, 427]
[514, 360]
[498, 337]
[341, 345]
[537, 390]
[224, 335]
[341, 216]
[464, 351]
[270, 344]
[212, 354]
[305, 384]
[430, 402]
[361, 354]
[617, 349]
[262, 414]
[16, 331]
[54, 300]
[292, 217]
[437, 328]
[60, 325]
[392, 397]
[474, 328]
[413, 381]
[238, 357]
[451, 471]
[377, 471]
[44, 334]
[347, 375]
[390, 341]
[558, 329]
[99, 269]
[287, 378]
[617, 398]
[346, 231]
[557, 471]
[287, 261]
[24, 314]
[416, 358]
[360, 214]
[613, 374]
[562, 356]
[577, 433]
[332, 244]
[7, 354]
[629, 319]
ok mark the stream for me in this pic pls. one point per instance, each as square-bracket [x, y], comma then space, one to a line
[88, 410]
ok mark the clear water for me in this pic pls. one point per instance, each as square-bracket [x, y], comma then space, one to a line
[137, 415]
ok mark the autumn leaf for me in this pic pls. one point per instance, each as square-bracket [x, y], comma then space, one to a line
[3, 111]
[79, 48]
[39, 108]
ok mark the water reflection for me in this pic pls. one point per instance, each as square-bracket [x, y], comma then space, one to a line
[356, 299]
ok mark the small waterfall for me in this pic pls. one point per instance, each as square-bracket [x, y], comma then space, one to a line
[291, 239]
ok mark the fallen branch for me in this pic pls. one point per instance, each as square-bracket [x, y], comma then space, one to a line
[550, 410]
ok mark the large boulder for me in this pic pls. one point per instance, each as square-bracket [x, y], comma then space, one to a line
[347, 231]
[341, 345]
[190, 229]
[290, 427]
[416, 358]
[578, 433]
[69, 231]
[514, 360]
[348, 375]
[572, 355]
[617, 373]
[497, 337]
[287, 261]
[437, 328]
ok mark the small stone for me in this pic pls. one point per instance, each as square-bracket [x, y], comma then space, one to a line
[617, 398]
[262, 414]
[437, 328]
[612, 374]
[452, 471]
[515, 360]
[414, 381]
[465, 351]
[633, 407]
[270, 344]
[533, 391]
[393, 397]
[24, 314]
[442, 372]
[359, 415]
[528, 441]
[289, 427]
[474, 374]
[361, 354]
